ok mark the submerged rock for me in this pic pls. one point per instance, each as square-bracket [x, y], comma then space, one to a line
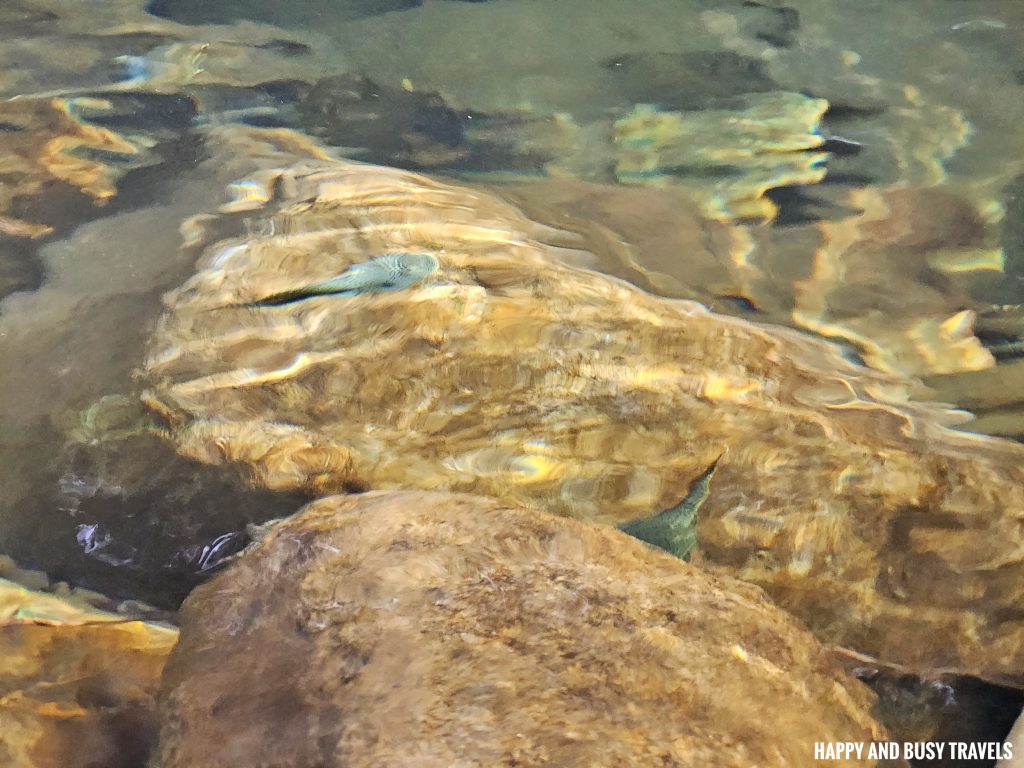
[124, 513]
[77, 685]
[890, 280]
[729, 157]
[962, 709]
[421, 629]
[87, 494]
[890, 274]
[59, 50]
[88, 95]
[934, 107]
[53, 153]
[513, 373]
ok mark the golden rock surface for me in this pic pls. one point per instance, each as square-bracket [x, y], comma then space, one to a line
[511, 372]
[425, 629]
[77, 684]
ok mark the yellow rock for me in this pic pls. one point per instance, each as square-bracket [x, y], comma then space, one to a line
[77, 685]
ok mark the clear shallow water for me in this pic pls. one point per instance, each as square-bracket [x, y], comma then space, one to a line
[902, 245]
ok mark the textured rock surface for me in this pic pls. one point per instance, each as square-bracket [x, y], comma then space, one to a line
[394, 629]
[77, 685]
[509, 373]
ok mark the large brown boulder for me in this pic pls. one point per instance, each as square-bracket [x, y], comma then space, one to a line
[512, 371]
[427, 629]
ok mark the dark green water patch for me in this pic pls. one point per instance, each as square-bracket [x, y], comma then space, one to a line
[301, 13]
[954, 708]
[20, 268]
[415, 129]
[695, 80]
[1012, 236]
[130, 518]
[392, 124]
[1007, 287]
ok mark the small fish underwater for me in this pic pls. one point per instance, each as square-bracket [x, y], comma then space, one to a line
[391, 272]
[675, 529]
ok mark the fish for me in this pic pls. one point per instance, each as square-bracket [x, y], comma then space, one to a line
[390, 272]
[674, 530]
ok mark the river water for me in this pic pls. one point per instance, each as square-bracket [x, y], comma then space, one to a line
[853, 171]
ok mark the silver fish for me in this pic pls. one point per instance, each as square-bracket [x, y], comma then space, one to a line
[391, 272]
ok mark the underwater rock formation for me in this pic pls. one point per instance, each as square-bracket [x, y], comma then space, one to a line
[63, 159]
[425, 629]
[50, 152]
[891, 279]
[890, 273]
[729, 157]
[126, 514]
[895, 281]
[87, 493]
[951, 709]
[936, 105]
[513, 372]
[77, 685]
[88, 95]
[120, 52]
